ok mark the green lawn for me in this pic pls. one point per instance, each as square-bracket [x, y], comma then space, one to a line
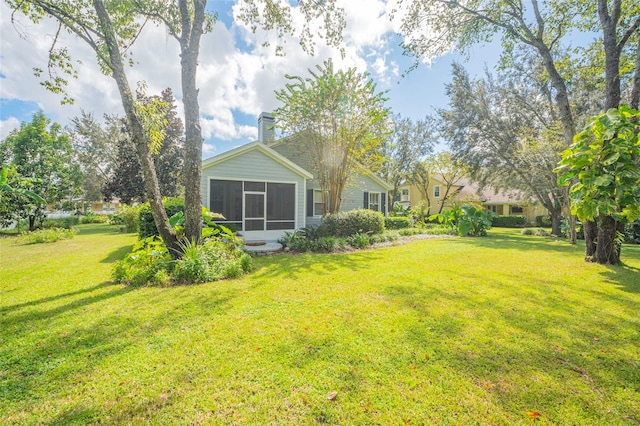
[447, 331]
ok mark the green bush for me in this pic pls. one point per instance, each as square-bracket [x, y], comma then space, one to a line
[541, 233]
[146, 224]
[527, 232]
[397, 222]
[514, 221]
[360, 221]
[543, 221]
[62, 222]
[359, 240]
[50, 235]
[91, 217]
[466, 220]
[632, 232]
[150, 263]
[131, 217]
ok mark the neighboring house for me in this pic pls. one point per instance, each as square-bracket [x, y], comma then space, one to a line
[264, 188]
[502, 203]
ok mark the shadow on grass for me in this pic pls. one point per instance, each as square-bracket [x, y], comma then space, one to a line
[117, 254]
[625, 277]
[27, 317]
[520, 243]
[298, 265]
[6, 309]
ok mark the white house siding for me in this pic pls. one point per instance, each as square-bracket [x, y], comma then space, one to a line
[256, 166]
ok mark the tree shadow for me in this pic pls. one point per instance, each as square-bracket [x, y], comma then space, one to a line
[624, 276]
[295, 266]
[6, 309]
[117, 254]
[520, 243]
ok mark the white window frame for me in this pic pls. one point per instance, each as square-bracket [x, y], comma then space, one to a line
[404, 195]
[378, 204]
[436, 191]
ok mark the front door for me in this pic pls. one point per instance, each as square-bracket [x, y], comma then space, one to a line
[254, 217]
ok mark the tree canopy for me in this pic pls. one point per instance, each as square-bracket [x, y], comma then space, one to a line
[338, 118]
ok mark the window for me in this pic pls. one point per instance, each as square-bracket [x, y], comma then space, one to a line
[318, 203]
[226, 198]
[281, 206]
[436, 191]
[404, 195]
[374, 201]
[516, 210]
[492, 209]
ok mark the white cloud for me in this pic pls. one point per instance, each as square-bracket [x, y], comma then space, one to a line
[6, 126]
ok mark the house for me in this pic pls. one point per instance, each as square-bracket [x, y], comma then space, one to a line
[502, 203]
[265, 188]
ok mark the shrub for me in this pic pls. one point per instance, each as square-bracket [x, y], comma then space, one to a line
[543, 221]
[131, 217]
[140, 267]
[514, 221]
[50, 235]
[92, 217]
[146, 224]
[397, 222]
[359, 240]
[345, 224]
[62, 222]
[541, 233]
[150, 263]
[527, 232]
[466, 220]
[632, 232]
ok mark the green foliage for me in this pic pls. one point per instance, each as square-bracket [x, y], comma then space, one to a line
[343, 120]
[359, 221]
[632, 232]
[49, 235]
[359, 240]
[91, 217]
[148, 257]
[41, 153]
[602, 167]
[146, 224]
[149, 263]
[131, 217]
[397, 222]
[466, 220]
[543, 221]
[62, 222]
[527, 231]
[513, 221]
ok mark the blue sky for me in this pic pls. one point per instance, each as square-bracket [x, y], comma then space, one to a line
[237, 76]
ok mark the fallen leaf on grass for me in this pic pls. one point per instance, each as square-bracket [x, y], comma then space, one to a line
[413, 367]
[258, 349]
[533, 414]
[332, 395]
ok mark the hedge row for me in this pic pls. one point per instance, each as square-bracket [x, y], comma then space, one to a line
[397, 222]
[514, 221]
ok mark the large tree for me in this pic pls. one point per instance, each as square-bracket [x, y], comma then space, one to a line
[542, 26]
[40, 151]
[95, 149]
[505, 129]
[410, 142]
[336, 115]
[125, 179]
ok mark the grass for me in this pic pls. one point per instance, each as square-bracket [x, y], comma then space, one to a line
[491, 330]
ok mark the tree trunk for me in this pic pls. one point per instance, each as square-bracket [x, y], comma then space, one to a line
[32, 223]
[590, 235]
[556, 221]
[139, 137]
[190, 47]
[606, 247]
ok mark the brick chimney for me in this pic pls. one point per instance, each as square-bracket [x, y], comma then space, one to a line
[266, 129]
